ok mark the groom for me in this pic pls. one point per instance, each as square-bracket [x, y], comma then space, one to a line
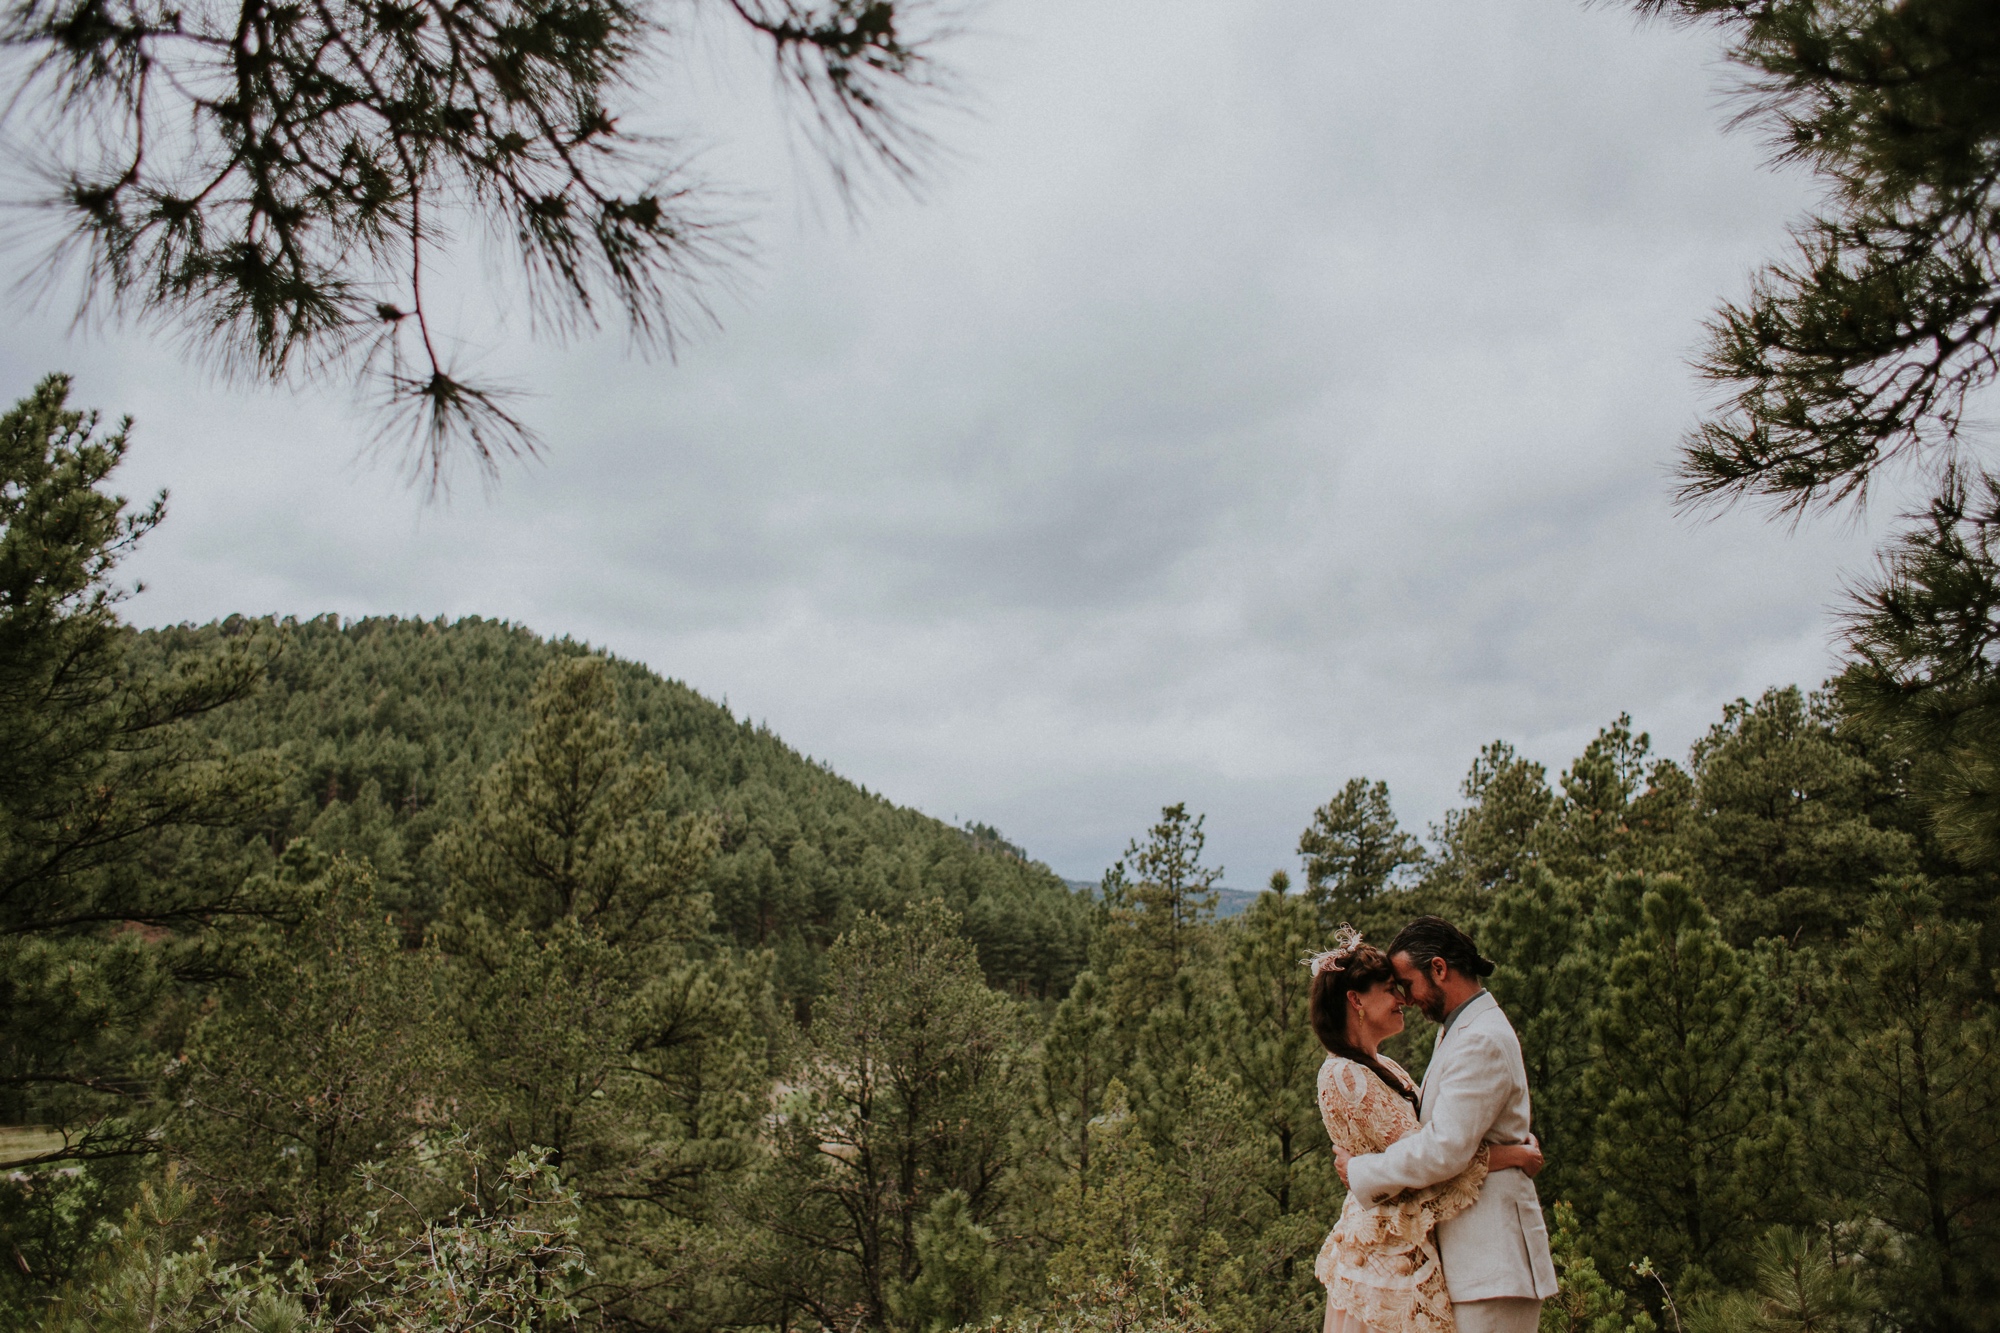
[1495, 1253]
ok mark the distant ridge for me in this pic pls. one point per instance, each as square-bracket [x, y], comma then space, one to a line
[1228, 902]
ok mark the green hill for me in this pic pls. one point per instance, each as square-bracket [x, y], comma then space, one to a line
[384, 726]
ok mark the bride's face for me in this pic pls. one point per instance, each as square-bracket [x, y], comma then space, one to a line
[1376, 1012]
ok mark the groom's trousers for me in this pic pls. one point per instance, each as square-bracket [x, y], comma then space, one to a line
[1505, 1314]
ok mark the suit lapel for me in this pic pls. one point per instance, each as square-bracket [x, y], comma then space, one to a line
[1437, 1051]
[1424, 1088]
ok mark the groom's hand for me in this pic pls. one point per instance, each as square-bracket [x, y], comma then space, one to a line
[1341, 1157]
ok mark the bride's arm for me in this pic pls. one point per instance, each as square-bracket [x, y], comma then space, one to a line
[1523, 1157]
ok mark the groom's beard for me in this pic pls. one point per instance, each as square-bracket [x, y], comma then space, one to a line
[1431, 1006]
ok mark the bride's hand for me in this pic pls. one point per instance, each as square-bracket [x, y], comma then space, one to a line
[1523, 1157]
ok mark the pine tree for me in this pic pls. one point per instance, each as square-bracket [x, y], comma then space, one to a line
[1160, 903]
[604, 1034]
[287, 196]
[1492, 839]
[1872, 343]
[120, 866]
[1867, 343]
[1218, 1214]
[1118, 1212]
[1690, 1151]
[1786, 845]
[569, 828]
[1923, 676]
[1548, 972]
[1188, 1203]
[1265, 1047]
[958, 1270]
[1354, 850]
[329, 1053]
[1585, 1302]
[1910, 1109]
[1264, 1044]
[1174, 1050]
[1078, 1066]
[906, 1086]
[1595, 825]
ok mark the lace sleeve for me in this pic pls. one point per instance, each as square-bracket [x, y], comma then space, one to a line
[1452, 1197]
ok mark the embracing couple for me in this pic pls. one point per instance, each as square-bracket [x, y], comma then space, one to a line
[1442, 1229]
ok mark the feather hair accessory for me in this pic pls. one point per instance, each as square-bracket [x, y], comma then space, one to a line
[1345, 941]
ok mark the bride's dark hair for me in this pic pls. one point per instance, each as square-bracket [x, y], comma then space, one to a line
[1361, 969]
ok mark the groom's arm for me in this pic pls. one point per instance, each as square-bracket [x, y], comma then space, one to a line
[1466, 1099]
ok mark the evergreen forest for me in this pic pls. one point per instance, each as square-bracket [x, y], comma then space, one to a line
[397, 974]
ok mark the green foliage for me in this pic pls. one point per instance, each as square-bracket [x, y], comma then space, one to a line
[1198, 1198]
[1210, 1177]
[1154, 951]
[1622, 811]
[568, 826]
[283, 200]
[1785, 845]
[1691, 1141]
[1585, 1302]
[1078, 1065]
[1490, 840]
[1911, 1109]
[52, 1220]
[1593, 826]
[1265, 1045]
[904, 1088]
[1539, 929]
[597, 1033]
[1137, 1295]
[100, 768]
[1113, 1207]
[141, 1281]
[1353, 850]
[326, 1053]
[1866, 344]
[1923, 671]
[509, 1266]
[389, 727]
[116, 863]
[958, 1274]
[1160, 900]
[1801, 1288]
[1869, 343]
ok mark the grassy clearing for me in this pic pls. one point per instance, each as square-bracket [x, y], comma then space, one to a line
[18, 1143]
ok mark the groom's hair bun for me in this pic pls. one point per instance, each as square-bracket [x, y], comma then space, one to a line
[1431, 937]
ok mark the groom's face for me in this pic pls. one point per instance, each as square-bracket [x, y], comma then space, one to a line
[1419, 987]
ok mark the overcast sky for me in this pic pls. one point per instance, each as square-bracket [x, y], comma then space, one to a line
[1267, 394]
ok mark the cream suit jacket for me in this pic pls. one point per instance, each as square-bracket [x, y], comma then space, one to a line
[1475, 1091]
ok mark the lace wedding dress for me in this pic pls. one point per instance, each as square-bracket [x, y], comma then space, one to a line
[1380, 1262]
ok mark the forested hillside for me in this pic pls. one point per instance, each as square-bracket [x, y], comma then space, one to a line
[382, 729]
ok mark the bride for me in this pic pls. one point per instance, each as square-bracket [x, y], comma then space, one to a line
[1380, 1263]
